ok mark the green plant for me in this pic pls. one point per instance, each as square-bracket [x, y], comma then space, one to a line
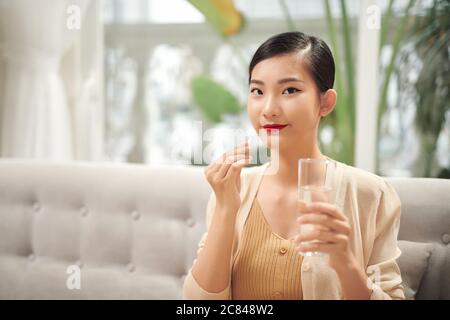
[213, 98]
[221, 15]
[396, 45]
[431, 38]
[428, 31]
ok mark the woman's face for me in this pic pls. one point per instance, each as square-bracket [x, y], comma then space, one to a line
[281, 91]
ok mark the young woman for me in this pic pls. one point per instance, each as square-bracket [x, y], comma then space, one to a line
[251, 247]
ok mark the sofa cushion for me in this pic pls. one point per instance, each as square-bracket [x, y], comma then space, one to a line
[413, 264]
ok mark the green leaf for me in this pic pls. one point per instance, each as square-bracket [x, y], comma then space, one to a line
[287, 16]
[213, 98]
[222, 15]
[386, 19]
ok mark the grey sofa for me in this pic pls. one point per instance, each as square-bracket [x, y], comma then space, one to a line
[130, 231]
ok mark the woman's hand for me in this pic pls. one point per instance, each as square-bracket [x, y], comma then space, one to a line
[224, 176]
[332, 229]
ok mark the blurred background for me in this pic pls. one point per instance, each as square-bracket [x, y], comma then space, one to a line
[142, 81]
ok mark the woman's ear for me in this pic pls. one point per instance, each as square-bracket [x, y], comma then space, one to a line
[327, 102]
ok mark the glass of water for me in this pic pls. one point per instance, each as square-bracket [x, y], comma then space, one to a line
[316, 178]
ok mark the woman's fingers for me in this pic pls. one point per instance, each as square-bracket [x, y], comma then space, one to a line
[235, 167]
[326, 221]
[239, 155]
[321, 207]
[329, 248]
[301, 206]
[216, 165]
[322, 236]
[232, 160]
[241, 149]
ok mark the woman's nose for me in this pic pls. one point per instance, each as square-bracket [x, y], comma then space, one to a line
[271, 108]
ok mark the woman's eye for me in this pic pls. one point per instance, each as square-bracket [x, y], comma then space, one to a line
[256, 91]
[291, 90]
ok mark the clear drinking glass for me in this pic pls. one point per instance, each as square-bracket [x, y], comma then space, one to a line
[316, 179]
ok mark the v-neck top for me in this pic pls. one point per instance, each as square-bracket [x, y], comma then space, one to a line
[267, 267]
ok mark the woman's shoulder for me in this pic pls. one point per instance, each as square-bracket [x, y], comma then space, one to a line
[365, 183]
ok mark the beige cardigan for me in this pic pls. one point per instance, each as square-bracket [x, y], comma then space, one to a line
[373, 208]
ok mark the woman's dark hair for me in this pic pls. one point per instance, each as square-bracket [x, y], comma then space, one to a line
[318, 58]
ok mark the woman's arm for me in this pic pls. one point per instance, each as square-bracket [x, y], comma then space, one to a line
[382, 265]
[209, 278]
[354, 282]
[212, 268]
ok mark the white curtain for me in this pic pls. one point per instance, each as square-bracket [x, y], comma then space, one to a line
[51, 84]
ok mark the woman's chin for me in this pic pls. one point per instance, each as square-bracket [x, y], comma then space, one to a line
[274, 143]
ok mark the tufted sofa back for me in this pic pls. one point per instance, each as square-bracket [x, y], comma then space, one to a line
[130, 231]
[424, 236]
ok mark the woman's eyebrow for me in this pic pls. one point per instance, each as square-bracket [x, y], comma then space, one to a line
[290, 80]
[284, 80]
[256, 82]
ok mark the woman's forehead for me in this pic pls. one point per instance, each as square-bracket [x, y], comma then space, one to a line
[278, 67]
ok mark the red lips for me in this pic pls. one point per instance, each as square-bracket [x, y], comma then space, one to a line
[272, 127]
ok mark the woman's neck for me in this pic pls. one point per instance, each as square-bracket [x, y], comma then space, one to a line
[283, 167]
